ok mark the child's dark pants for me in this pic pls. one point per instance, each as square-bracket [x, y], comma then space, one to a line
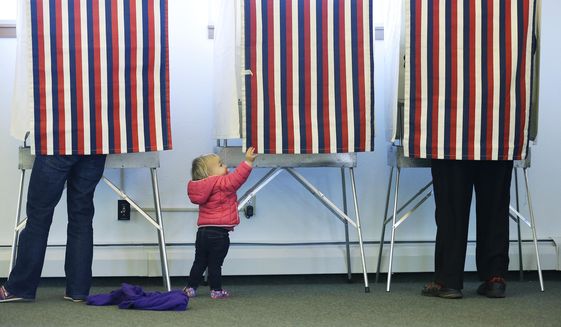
[211, 248]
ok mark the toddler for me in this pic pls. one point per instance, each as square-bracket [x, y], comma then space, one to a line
[214, 190]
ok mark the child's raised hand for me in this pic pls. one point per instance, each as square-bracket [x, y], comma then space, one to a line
[250, 155]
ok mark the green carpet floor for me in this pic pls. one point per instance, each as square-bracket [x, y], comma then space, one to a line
[304, 301]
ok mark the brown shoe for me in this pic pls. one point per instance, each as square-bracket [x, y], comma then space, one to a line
[438, 290]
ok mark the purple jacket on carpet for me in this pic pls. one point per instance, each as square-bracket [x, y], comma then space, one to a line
[133, 297]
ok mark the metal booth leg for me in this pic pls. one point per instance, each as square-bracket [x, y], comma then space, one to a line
[381, 245]
[534, 234]
[161, 238]
[520, 261]
[17, 222]
[345, 210]
[338, 212]
[390, 266]
[359, 230]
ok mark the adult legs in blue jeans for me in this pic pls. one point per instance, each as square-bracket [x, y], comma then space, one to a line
[45, 189]
[81, 184]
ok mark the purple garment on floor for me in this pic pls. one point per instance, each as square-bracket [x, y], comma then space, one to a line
[133, 297]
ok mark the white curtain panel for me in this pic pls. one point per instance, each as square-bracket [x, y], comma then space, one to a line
[227, 68]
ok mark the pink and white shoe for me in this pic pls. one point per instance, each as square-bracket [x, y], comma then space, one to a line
[190, 292]
[221, 294]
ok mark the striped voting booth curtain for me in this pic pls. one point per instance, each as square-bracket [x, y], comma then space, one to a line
[468, 78]
[309, 84]
[100, 76]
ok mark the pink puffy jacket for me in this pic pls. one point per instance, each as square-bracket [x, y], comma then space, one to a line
[217, 199]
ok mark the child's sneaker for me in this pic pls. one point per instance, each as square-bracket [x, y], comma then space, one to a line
[221, 294]
[190, 292]
[7, 297]
[74, 299]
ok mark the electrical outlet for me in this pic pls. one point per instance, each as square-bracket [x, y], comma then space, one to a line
[123, 210]
[249, 209]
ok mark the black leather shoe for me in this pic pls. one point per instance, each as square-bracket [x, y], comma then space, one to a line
[494, 287]
[438, 290]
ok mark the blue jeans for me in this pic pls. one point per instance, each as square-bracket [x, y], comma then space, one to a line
[81, 174]
[211, 247]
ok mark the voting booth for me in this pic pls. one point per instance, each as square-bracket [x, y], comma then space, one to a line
[93, 78]
[295, 80]
[464, 84]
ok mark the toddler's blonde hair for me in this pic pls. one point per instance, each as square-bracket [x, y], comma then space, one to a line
[199, 168]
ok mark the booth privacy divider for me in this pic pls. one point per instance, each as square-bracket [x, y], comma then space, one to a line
[468, 79]
[309, 76]
[98, 76]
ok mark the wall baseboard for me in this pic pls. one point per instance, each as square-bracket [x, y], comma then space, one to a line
[276, 260]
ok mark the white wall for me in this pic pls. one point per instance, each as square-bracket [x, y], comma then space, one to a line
[286, 213]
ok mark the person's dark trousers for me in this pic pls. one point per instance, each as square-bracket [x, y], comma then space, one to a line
[81, 174]
[453, 182]
[211, 247]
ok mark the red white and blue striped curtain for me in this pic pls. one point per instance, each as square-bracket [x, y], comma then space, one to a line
[309, 84]
[100, 76]
[468, 78]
